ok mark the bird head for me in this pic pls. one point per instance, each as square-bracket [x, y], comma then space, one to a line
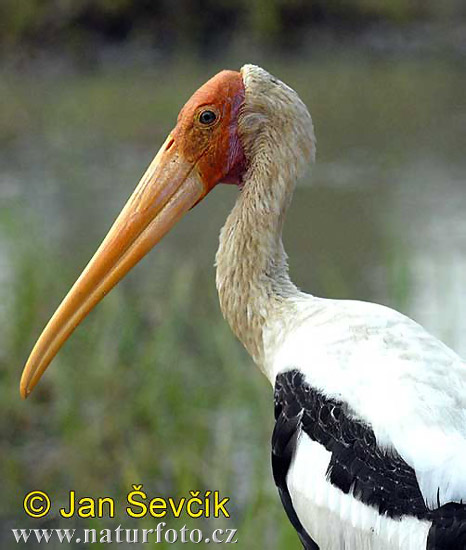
[215, 140]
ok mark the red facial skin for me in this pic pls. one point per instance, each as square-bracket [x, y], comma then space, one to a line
[216, 149]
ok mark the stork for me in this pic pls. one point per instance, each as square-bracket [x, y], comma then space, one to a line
[369, 445]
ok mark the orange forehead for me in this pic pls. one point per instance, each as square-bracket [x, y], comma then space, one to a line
[223, 90]
[216, 150]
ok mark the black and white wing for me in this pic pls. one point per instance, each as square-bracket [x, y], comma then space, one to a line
[367, 456]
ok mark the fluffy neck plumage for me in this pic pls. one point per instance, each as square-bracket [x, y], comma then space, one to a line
[252, 270]
[277, 135]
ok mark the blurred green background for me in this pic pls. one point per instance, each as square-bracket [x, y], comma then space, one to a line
[153, 388]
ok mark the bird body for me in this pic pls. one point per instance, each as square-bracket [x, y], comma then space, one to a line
[407, 391]
[370, 409]
[386, 370]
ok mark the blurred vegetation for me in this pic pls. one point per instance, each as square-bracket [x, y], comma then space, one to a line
[124, 400]
[200, 25]
[153, 388]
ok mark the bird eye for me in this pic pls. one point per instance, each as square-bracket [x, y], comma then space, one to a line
[207, 117]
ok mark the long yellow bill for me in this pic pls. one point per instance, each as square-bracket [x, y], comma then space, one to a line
[168, 189]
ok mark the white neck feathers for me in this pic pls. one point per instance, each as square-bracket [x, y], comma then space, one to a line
[277, 135]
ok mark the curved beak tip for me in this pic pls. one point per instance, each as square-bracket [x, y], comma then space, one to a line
[24, 388]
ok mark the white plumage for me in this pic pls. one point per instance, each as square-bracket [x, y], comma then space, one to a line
[401, 380]
[392, 377]
[338, 521]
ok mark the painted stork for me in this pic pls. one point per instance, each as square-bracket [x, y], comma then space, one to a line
[369, 445]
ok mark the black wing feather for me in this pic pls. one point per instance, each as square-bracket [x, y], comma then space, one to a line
[374, 476]
[284, 439]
